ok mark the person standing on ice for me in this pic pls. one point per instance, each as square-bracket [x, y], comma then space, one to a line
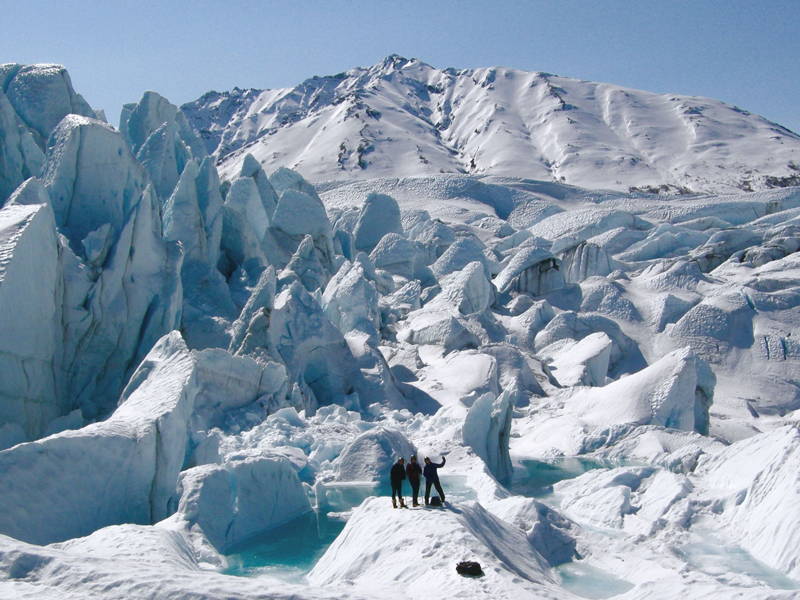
[432, 478]
[413, 471]
[397, 475]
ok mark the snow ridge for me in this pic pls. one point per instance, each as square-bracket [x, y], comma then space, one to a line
[403, 117]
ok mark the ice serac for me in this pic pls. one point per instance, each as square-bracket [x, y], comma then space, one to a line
[458, 255]
[663, 241]
[183, 221]
[227, 383]
[522, 328]
[604, 498]
[546, 529]
[434, 236]
[42, 95]
[351, 302]
[487, 430]
[111, 218]
[468, 290]
[122, 470]
[371, 455]
[163, 159]
[297, 333]
[580, 363]
[380, 215]
[515, 375]
[306, 265]
[607, 297]
[244, 496]
[298, 214]
[261, 300]
[718, 324]
[31, 191]
[92, 178]
[240, 244]
[269, 197]
[244, 198]
[207, 309]
[30, 332]
[438, 326]
[395, 254]
[139, 121]
[625, 354]
[586, 260]
[158, 133]
[286, 179]
[665, 394]
[209, 200]
[20, 156]
[534, 270]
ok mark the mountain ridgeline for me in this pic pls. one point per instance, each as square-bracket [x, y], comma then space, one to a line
[404, 118]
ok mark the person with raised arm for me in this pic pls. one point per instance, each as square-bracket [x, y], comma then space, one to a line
[432, 479]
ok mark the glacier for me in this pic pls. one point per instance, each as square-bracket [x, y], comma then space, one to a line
[222, 323]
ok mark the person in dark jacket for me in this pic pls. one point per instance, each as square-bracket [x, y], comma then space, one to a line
[413, 471]
[397, 475]
[432, 478]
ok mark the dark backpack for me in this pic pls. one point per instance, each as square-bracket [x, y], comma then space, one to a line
[469, 567]
[436, 501]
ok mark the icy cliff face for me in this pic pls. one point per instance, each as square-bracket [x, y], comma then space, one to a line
[403, 117]
[190, 357]
[30, 332]
[122, 470]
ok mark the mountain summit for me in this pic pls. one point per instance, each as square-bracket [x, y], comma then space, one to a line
[403, 117]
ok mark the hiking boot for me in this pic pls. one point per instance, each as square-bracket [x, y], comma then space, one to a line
[394, 503]
[415, 504]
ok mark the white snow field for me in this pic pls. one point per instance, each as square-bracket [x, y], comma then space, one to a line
[221, 325]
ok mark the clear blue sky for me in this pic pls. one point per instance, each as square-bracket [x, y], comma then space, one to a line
[746, 53]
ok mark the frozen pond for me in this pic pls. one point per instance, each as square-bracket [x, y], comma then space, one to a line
[290, 551]
[590, 582]
[534, 478]
[721, 561]
[287, 552]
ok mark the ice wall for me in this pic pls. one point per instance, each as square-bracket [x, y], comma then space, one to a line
[121, 279]
[238, 499]
[30, 335]
[487, 429]
[122, 470]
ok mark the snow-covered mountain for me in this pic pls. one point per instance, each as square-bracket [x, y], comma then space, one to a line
[404, 118]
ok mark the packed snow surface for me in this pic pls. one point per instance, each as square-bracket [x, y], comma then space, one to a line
[209, 364]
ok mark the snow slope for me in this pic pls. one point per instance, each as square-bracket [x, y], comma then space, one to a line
[403, 117]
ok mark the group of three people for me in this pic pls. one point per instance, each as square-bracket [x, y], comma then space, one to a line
[412, 471]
